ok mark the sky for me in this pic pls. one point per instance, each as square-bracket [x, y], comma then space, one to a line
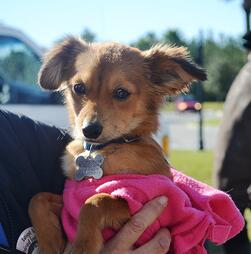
[122, 20]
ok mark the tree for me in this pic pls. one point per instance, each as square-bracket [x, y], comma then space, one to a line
[175, 37]
[170, 37]
[88, 35]
[146, 41]
[223, 60]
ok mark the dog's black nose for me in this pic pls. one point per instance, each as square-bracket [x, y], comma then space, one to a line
[93, 130]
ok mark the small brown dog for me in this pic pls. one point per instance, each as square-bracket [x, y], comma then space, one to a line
[113, 93]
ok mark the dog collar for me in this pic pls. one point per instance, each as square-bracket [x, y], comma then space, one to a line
[121, 140]
[91, 166]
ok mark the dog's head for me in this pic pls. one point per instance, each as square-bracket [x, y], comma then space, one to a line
[114, 90]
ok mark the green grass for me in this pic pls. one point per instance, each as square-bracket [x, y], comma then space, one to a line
[169, 106]
[247, 216]
[213, 105]
[197, 164]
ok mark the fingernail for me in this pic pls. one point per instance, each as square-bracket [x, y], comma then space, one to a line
[164, 243]
[163, 201]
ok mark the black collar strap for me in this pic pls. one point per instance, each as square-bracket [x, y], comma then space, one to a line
[121, 140]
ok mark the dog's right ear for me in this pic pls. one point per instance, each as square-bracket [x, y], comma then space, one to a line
[171, 69]
[58, 63]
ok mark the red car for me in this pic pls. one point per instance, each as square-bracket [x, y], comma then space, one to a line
[187, 102]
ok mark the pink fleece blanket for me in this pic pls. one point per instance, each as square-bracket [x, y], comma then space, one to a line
[195, 211]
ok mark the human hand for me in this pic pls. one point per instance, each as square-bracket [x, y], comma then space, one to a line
[124, 240]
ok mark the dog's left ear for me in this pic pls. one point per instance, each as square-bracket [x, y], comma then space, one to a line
[171, 69]
[58, 63]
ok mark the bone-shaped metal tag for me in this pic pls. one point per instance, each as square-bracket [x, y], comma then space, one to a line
[89, 167]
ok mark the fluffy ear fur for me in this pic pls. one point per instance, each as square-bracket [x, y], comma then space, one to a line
[58, 63]
[171, 70]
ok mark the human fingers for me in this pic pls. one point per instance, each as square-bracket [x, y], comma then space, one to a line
[128, 235]
[160, 244]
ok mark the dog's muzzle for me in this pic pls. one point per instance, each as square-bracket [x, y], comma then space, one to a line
[92, 130]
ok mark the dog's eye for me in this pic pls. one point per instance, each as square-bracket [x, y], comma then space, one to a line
[79, 88]
[121, 94]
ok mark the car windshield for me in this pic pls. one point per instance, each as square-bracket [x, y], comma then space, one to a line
[17, 61]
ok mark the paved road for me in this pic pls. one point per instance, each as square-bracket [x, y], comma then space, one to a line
[50, 114]
[181, 127]
[184, 129]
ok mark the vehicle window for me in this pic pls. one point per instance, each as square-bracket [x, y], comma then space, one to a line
[17, 61]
